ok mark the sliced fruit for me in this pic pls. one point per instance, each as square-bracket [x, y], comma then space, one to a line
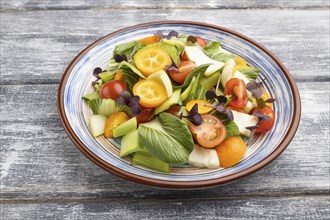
[119, 76]
[237, 90]
[162, 77]
[151, 59]
[244, 120]
[131, 143]
[113, 121]
[172, 100]
[151, 93]
[97, 124]
[210, 133]
[201, 157]
[265, 125]
[125, 127]
[185, 67]
[231, 151]
[194, 53]
[203, 106]
[147, 160]
[149, 40]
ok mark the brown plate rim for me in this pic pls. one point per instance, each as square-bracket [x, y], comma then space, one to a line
[179, 184]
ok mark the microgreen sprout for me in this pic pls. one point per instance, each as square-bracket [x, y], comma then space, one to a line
[160, 35]
[132, 101]
[193, 116]
[220, 107]
[119, 58]
[191, 40]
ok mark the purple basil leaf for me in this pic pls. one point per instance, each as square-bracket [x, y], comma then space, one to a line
[135, 100]
[254, 87]
[96, 72]
[181, 115]
[194, 110]
[172, 34]
[159, 34]
[222, 99]
[119, 58]
[262, 116]
[260, 103]
[230, 115]
[135, 109]
[121, 101]
[210, 95]
[126, 96]
[220, 108]
[270, 100]
[251, 128]
[196, 119]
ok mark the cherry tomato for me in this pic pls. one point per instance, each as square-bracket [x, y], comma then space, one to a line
[112, 89]
[231, 151]
[147, 114]
[183, 57]
[174, 110]
[209, 134]
[236, 88]
[185, 67]
[265, 125]
[201, 41]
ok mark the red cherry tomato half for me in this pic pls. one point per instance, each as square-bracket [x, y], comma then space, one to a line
[112, 89]
[265, 125]
[201, 41]
[147, 114]
[185, 67]
[236, 88]
[183, 57]
[209, 134]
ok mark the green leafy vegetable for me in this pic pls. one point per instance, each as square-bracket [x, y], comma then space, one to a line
[200, 70]
[131, 73]
[214, 51]
[91, 96]
[197, 91]
[161, 138]
[231, 127]
[145, 159]
[125, 66]
[209, 81]
[250, 73]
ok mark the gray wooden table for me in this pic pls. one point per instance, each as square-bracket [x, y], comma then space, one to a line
[44, 176]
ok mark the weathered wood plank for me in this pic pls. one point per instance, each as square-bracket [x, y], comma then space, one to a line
[216, 208]
[37, 46]
[39, 162]
[186, 4]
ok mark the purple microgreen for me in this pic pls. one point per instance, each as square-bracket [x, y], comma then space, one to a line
[262, 117]
[229, 115]
[254, 88]
[194, 110]
[251, 128]
[220, 108]
[271, 100]
[193, 116]
[96, 72]
[119, 58]
[210, 95]
[135, 100]
[172, 67]
[126, 96]
[196, 119]
[136, 109]
[121, 101]
[191, 40]
[160, 35]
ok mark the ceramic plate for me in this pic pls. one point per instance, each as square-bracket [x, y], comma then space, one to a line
[74, 113]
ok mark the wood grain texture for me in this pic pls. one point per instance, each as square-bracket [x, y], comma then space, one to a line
[40, 163]
[228, 208]
[185, 4]
[37, 46]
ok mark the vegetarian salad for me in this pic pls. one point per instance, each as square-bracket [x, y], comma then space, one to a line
[177, 99]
